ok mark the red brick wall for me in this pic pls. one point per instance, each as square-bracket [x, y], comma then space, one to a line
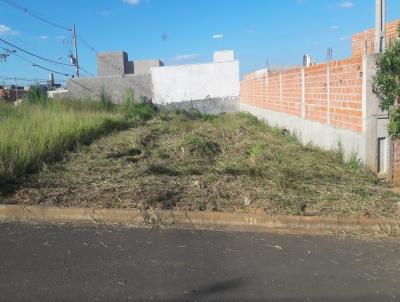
[316, 93]
[291, 91]
[273, 99]
[365, 41]
[396, 163]
[282, 92]
[346, 94]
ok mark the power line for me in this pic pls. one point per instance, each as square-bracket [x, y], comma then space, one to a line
[39, 66]
[35, 65]
[84, 70]
[53, 71]
[29, 12]
[29, 61]
[84, 87]
[34, 15]
[22, 79]
[35, 55]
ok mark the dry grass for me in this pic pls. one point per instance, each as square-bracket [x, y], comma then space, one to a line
[226, 163]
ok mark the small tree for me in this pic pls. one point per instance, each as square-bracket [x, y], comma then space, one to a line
[386, 85]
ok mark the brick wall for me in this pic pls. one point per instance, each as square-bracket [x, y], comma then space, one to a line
[282, 92]
[273, 97]
[291, 91]
[364, 42]
[316, 93]
[346, 94]
[396, 164]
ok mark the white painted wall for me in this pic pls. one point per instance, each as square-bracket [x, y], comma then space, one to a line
[195, 82]
[224, 56]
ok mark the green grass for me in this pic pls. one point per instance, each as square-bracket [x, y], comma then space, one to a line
[41, 131]
[231, 162]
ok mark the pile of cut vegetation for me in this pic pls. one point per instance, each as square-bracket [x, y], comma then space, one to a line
[230, 162]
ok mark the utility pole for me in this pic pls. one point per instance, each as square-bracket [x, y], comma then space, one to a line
[75, 59]
[380, 26]
[16, 89]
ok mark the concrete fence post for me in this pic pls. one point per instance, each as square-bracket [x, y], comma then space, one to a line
[266, 87]
[328, 92]
[379, 146]
[280, 90]
[303, 94]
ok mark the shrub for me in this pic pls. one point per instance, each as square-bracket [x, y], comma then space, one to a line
[386, 85]
[36, 95]
[136, 110]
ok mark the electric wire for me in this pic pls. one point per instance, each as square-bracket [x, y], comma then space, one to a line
[34, 15]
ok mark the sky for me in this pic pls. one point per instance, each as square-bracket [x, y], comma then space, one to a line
[183, 31]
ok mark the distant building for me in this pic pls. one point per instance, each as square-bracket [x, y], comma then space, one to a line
[116, 75]
[117, 64]
[11, 93]
[210, 86]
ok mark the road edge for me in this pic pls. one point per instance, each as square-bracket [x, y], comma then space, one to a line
[196, 219]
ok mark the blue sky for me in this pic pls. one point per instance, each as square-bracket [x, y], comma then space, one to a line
[181, 31]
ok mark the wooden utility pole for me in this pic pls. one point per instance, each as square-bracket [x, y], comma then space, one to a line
[380, 26]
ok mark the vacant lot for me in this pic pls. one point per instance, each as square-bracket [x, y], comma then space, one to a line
[42, 130]
[225, 163]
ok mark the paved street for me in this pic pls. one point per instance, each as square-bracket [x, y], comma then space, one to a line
[65, 263]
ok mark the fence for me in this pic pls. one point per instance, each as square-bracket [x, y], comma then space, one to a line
[329, 104]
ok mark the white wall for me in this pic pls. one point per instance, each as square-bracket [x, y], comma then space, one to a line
[224, 56]
[195, 82]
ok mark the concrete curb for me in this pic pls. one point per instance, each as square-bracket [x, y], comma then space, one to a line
[199, 220]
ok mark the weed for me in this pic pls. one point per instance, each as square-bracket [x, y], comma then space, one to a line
[208, 164]
[39, 131]
[105, 99]
[354, 162]
[202, 147]
[36, 95]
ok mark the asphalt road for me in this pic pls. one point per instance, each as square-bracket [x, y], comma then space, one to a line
[65, 263]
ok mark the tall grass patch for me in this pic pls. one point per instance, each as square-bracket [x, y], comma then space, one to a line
[39, 131]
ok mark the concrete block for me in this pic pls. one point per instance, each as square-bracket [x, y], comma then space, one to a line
[140, 67]
[114, 86]
[112, 63]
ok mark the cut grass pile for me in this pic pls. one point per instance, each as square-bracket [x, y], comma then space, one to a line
[228, 163]
[41, 131]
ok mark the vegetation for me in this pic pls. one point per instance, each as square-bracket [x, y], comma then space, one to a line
[40, 131]
[36, 95]
[231, 162]
[386, 86]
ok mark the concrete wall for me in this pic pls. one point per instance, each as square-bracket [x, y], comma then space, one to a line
[379, 147]
[115, 86]
[208, 106]
[309, 131]
[57, 94]
[112, 63]
[173, 84]
[140, 67]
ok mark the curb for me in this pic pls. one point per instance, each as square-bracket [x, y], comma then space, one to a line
[199, 220]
